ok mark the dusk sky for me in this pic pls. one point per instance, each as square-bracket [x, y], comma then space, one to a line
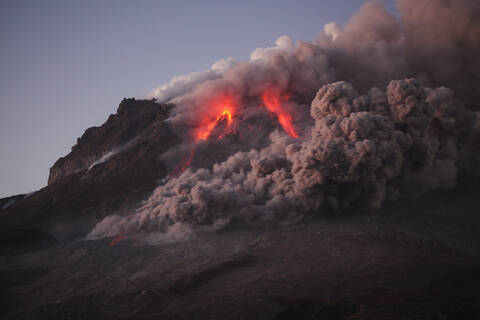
[66, 65]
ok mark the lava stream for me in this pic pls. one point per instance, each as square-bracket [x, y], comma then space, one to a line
[186, 161]
[273, 102]
[225, 106]
[116, 240]
[205, 131]
[220, 109]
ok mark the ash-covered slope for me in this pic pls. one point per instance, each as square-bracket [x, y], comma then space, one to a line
[410, 260]
[110, 167]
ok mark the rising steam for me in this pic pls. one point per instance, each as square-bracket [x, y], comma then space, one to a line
[323, 125]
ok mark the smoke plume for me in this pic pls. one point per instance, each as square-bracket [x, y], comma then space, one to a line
[180, 85]
[325, 124]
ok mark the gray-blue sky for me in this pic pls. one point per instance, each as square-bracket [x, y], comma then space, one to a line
[65, 65]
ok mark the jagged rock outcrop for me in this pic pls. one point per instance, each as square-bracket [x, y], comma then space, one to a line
[112, 167]
[129, 126]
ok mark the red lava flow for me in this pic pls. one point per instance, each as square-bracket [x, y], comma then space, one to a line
[116, 240]
[273, 101]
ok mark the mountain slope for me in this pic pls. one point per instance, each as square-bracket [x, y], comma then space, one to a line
[110, 167]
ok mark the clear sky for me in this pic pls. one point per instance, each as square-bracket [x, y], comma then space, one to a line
[66, 65]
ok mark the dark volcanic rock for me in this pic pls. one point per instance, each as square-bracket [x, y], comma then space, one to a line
[412, 260]
[8, 202]
[23, 240]
[133, 119]
[112, 167]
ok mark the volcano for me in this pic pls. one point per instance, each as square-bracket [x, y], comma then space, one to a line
[331, 179]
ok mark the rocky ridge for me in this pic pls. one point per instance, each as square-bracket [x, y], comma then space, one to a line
[110, 167]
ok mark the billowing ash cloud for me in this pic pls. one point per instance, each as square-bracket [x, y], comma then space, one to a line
[326, 124]
[283, 44]
[180, 85]
[332, 30]
[363, 149]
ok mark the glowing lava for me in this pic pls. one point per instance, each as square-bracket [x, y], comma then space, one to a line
[205, 131]
[186, 161]
[220, 111]
[116, 240]
[273, 101]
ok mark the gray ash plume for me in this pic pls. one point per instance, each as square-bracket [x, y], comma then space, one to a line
[324, 124]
